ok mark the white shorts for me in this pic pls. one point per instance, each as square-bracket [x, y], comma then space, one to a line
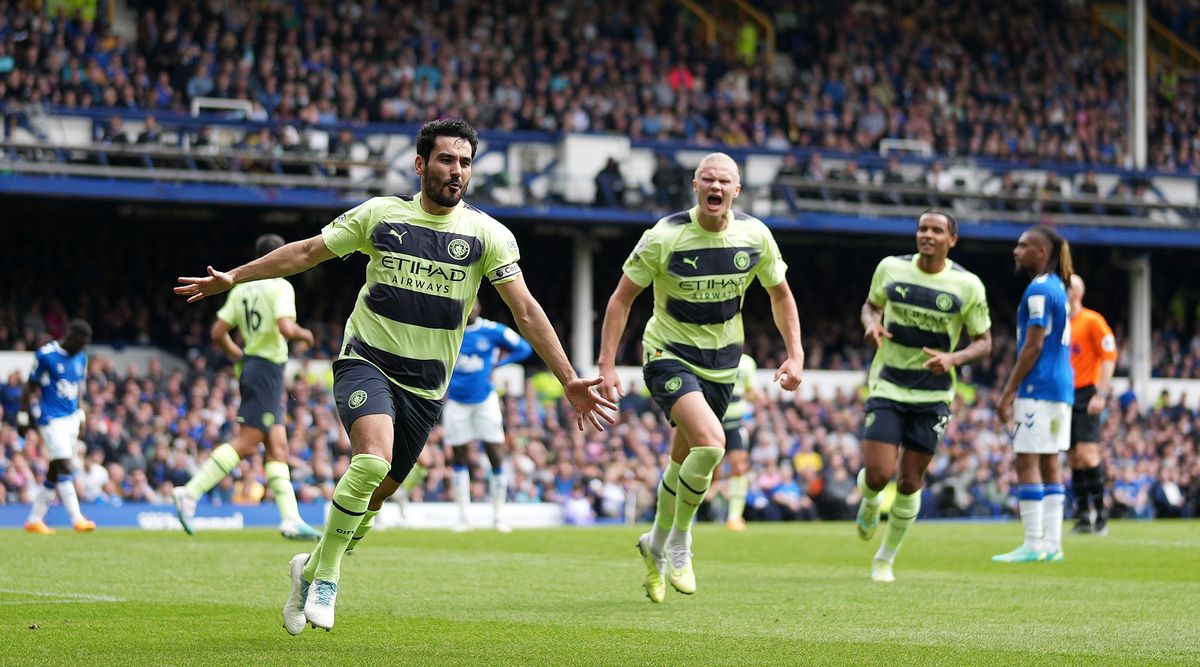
[61, 434]
[1043, 427]
[468, 422]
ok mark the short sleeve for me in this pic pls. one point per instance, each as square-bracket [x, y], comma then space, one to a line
[1103, 339]
[771, 268]
[877, 295]
[40, 373]
[348, 232]
[500, 255]
[285, 300]
[643, 263]
[228, 312]
[1038, 303]
[978, 317]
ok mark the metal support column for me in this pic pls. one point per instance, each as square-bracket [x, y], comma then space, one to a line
[582, 312]
[1139, 327]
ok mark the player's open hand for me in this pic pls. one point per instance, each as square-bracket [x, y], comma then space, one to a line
[198, 288]
[939, 362]
[611, 387]
[876, 334]
[790, 374]
[1004, 409]
[588, 403]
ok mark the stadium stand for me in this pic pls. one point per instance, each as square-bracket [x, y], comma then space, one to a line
[1028, 128]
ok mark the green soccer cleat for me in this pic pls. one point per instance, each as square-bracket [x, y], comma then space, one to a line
[655, 585]
[679, 570]
[881, 571]
[1053, 556]
[867, 520]
[185, 508]
[1021, 554]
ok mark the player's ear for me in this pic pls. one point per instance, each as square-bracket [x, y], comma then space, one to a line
[420, 165]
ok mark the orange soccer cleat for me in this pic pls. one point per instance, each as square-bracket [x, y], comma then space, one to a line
[85, 526]
[38, 527]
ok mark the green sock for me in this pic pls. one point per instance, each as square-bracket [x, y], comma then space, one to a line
[279, 479]
[668, 487]
[220, 463]
[738, 486]
[870, 494]
[349, 504]
[905, 509]
[368, 522]
[694, 477]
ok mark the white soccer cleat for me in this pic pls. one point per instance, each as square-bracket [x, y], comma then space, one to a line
[881, 571]
[185, 508]
[298, 530]
[461, 527]
[502, 527]
[318, 608]
[293, 609]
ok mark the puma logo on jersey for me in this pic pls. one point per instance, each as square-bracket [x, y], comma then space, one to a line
[902, 291]
[691, 261]
[398, 235]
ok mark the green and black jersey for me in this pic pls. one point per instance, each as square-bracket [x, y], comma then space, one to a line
[700, 279]
[922, 310]
[255, 308]
[422, 279]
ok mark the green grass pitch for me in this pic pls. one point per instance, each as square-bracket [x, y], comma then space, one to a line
[773, 595]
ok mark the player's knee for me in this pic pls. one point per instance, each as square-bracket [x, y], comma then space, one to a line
[708, 439]
[877, 479]
[908, 485]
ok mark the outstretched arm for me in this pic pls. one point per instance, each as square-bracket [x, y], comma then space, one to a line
[787, 320]
[616, 315]
[293, 258]
[536, 328]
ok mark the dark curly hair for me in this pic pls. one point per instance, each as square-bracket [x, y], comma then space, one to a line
[445, 127]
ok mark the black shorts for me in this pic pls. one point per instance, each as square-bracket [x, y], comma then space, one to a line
[361, 389]
[1084, 427]
[915, 426]
[737, 438]
[261, 387]
[669, 379]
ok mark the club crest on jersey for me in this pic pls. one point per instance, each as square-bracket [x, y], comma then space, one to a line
[458, 249]
[944, 302]
[741, 260]
[672, 385]
[357, 399]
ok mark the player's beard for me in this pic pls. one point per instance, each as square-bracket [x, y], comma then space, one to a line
[435, 191]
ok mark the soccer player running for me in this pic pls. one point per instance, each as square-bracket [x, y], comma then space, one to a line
[916, 310]
[737, 444]
[427, 255]
[473, 409]
[1039, 393]
[59, 368]
[701, 262]
[1093, 358]
[265, 313]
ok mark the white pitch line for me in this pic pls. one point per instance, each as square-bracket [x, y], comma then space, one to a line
[57, 598]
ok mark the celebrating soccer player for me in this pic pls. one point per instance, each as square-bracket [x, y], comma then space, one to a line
[265, 312]
[915, 312]
[427, 255]
[57, 377]
[701, 261]
[1093, 358]
[1039, 393]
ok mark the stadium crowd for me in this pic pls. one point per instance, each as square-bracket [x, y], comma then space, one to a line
[1031, 80]
[147, 431]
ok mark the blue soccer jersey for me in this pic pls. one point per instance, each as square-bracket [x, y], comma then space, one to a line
[61, 377]
[481, 346]
[1044, 304]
